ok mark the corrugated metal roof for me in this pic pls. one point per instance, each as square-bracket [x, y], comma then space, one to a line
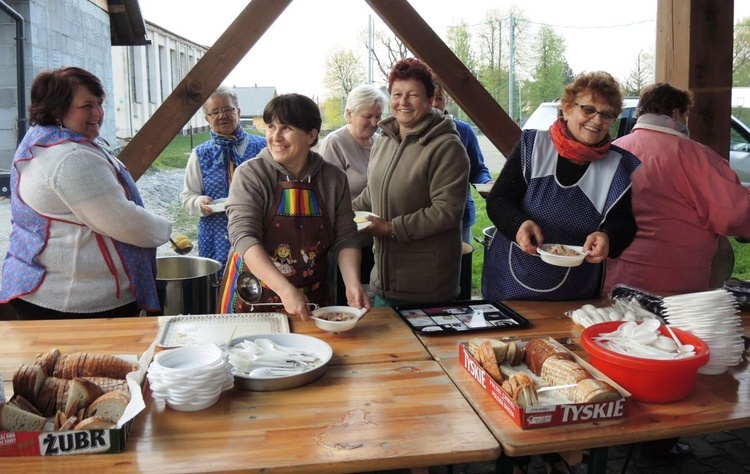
[254, 99]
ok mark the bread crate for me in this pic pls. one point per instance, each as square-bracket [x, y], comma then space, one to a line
[93, 441]
[553, 410]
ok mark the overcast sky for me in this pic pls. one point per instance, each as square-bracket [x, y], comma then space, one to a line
[600, 34]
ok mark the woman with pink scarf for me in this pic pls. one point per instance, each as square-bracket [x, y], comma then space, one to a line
[568, 185]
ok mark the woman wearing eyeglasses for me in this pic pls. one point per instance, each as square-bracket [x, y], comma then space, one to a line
[209, 170]
[568, 185]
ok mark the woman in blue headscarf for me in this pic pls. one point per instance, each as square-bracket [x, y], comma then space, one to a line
[210, 167]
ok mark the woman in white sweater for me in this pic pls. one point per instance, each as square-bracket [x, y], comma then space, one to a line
[82, 245]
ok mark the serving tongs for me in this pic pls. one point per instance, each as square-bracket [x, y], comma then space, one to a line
[249, 290]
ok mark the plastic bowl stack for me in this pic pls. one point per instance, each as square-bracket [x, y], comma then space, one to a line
[190, 378]
[712, 316]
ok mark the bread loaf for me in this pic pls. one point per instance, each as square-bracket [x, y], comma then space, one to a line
[499, 347]
[539, 350]
[28, 381]
[594, 390]
[24, 404]
[83, 364]
[522, 389]
[13, 418]
[81, 393]
[47, 361]
[515, 354]
[109, 406]
[108, 384]
[563, 372]
[486, 358]
[94, 423]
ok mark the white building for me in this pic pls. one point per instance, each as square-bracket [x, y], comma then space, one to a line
[146, 75]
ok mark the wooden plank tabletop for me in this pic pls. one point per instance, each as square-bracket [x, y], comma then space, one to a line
[718, 402]
[385, 413]
[355, 418]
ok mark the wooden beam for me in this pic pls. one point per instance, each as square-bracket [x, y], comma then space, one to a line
[200, 82]
[460, 83]
[694, 42]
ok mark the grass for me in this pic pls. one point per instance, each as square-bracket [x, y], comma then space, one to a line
[741, 251]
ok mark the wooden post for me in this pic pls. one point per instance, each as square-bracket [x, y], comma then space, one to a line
[694, 44]
[460, 83]
[200, 82]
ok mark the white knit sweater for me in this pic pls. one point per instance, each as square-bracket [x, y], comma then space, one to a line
[76, 186]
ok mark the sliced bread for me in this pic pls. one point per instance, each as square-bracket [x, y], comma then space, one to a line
[13, 418]
[109, 406]
[80, 395]
[94, 423]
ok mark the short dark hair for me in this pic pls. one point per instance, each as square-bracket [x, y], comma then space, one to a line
[52, 93]
[662, 98]
[412, 68]
[296, 110]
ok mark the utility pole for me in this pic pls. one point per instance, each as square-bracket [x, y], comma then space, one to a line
[511, 68]
[370, 46]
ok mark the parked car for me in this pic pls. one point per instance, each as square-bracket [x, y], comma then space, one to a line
[739, 145]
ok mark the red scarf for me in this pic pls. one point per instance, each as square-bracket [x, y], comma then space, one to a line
[570, 148]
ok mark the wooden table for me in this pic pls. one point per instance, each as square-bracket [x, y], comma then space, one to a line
[372, 410]
[718, 402]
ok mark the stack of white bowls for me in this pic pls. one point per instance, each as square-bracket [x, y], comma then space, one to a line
[712, 316]
[190, 378]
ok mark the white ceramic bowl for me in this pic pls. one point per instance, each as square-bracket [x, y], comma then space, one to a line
[320, 316]
[561, 260]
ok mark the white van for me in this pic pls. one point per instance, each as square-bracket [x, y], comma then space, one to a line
[739, 146]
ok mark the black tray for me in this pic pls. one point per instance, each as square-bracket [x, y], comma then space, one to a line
[460, 316]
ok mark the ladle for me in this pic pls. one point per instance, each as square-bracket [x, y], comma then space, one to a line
[249, 290]
[181, 250]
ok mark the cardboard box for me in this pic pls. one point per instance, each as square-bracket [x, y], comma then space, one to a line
[561, 412]
[110, 441]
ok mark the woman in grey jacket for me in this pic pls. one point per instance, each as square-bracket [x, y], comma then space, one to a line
[416, 184]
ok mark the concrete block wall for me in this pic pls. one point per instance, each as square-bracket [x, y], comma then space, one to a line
[57, 33]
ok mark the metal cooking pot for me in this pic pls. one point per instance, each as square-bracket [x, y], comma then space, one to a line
[187, 285]
[488, 233]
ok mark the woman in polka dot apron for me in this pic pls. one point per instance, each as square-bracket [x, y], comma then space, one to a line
[568, 185]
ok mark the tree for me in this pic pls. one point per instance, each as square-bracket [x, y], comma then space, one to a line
[343, 73]
[387, 50]
[551, 71]
[332, 112]
[741, 55]
[641, 75]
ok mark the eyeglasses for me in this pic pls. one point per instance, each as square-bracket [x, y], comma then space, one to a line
[225, 110]
[590, 112]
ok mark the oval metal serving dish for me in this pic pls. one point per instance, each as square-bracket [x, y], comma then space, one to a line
[297, 341]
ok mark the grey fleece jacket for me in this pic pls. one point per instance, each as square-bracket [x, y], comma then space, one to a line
[252, 191]
[419, 185]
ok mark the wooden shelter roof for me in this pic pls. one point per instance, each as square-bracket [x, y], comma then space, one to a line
[694, 51]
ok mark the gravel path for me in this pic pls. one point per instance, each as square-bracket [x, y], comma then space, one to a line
[160, 191]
